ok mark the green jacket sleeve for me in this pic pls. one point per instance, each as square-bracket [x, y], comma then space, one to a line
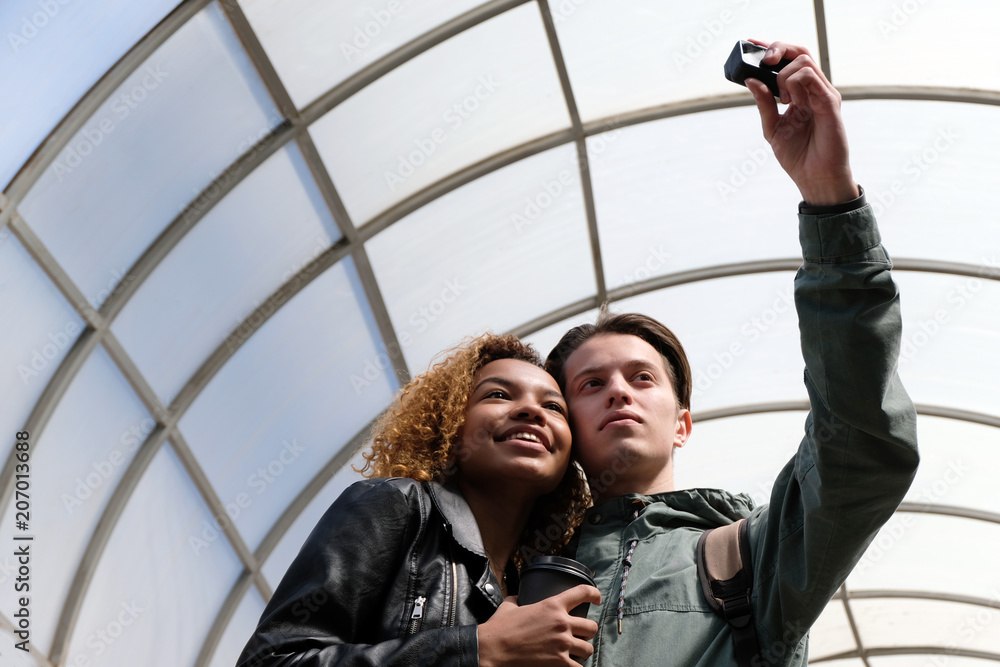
[859, 453]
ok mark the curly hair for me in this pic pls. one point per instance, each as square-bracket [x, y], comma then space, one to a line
[417, 436]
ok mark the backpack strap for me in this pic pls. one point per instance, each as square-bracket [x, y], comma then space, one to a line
[726, 575]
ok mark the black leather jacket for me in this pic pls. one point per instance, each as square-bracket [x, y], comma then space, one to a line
[393, 574]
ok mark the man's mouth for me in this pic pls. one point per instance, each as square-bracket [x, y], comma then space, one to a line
[620, 417]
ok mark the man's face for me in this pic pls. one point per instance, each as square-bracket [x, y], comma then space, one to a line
[624, 416]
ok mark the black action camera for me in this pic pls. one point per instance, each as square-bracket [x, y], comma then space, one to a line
[745, 63]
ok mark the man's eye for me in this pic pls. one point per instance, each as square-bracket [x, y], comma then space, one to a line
[645, 377]
[591, 383]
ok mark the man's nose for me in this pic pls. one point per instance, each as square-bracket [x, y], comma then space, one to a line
[619, 391]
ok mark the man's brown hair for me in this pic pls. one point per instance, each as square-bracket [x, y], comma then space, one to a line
[656, 334]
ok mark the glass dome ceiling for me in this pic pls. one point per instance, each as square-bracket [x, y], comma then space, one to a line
[230, 230]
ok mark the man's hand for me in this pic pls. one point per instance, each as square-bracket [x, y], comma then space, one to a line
[809, 139]
[539, 634]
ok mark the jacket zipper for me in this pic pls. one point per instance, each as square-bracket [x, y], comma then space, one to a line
[417, 615]
[454, 594]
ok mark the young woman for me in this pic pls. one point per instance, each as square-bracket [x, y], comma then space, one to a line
[470, 470]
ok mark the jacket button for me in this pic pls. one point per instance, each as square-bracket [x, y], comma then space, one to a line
[489, 588]
[595, 518]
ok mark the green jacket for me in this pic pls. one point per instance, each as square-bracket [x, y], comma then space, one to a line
[852, 468]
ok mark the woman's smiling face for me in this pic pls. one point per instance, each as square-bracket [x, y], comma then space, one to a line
[516, 429]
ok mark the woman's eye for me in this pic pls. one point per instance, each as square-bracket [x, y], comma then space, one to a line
[496, 393]
[556, 407]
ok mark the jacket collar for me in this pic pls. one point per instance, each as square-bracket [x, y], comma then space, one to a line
[450, 502]
[708, 507]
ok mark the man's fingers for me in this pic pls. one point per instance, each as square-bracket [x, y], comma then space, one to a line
[766, 105]
[782, 50]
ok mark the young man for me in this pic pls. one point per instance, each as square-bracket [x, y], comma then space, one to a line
[628, 385]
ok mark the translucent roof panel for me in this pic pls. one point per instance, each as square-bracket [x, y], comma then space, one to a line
[288, 400]
[106, 423]
[149, 573]
[259, 237]
[897, 35]
[891, 622]
[957, 459]
[831, 634]
[46, 329]
[711, 194]
[947, 323]
[316, 45]
[288, 547]
[448, 108]
[240, 627]
[446, 272]
[929, 171]
[35, 32]
[635, 55]
[175, 124]
[933, 553]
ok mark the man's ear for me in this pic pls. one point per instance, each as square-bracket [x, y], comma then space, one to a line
[683, 430]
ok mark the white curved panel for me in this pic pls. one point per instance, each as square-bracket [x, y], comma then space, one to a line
[449, 108]
[831, 633]
[879, 42]
[150, 572]
[316, 45]
[925, 552]
[688, 192]
[238, 632]
[891, 622]
[951, 326]
[624, 56]
[40, 328]
[490, 255]
[175, 124]
[289, 398]
[929, 172]
[37, 36]
[77, 463]
[256, 239]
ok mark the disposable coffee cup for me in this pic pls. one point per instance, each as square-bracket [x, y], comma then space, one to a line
[551, 575]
